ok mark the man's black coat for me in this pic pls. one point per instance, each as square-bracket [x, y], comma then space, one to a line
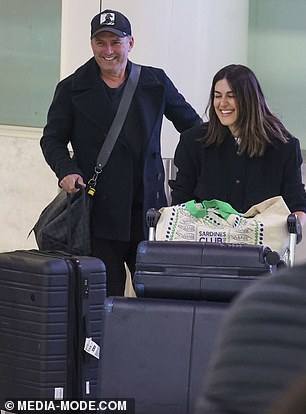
[81, 113]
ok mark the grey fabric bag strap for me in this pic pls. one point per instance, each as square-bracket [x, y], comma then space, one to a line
[120, 116]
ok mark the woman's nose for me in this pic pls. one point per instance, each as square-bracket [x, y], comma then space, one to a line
[223, 101]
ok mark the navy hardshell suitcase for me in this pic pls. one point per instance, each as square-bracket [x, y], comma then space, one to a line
[197, 270]
[50, 303]
[157, 351]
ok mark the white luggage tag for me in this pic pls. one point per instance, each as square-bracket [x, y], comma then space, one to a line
[92, 348]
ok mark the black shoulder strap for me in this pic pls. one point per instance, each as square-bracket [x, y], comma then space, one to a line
[120, 116]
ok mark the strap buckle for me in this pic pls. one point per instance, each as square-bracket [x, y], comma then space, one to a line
[93, 181]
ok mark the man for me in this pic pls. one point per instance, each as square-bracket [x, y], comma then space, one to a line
[82, 111]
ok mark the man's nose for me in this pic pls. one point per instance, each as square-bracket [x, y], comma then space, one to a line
[108, 49]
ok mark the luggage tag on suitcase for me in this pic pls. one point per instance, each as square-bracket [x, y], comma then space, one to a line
[92, 348]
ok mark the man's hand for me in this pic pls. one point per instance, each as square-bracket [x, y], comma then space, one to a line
[68, 183]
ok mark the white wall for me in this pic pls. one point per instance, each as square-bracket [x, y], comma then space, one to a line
[27, 185]
[75, 39]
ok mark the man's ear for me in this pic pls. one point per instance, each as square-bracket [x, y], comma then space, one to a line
[131, 43]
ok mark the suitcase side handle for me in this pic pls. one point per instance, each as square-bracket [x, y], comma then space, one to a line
[152, 218]
[295, 236]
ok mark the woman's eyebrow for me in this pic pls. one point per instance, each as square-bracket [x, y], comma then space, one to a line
[230, 91]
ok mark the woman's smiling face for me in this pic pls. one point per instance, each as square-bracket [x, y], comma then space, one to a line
[225, 104]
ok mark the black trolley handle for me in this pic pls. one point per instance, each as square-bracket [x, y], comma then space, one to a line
[152, 218]
[295, 236]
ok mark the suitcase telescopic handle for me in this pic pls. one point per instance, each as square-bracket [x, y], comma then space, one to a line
[152, 218]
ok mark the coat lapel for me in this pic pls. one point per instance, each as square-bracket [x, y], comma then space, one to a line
[90, 97]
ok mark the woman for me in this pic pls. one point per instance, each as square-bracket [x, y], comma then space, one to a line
[244, 154]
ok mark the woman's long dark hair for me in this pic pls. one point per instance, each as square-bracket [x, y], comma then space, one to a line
[256, 124]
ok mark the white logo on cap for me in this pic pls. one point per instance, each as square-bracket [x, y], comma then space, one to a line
[107, 18]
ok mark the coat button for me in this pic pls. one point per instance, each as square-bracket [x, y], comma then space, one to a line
[155, 154]
[159, 176]
[157, 195]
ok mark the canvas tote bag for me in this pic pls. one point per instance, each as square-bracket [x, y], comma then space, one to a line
[216, 221]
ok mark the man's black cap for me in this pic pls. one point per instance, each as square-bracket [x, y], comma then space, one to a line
[110, 21]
